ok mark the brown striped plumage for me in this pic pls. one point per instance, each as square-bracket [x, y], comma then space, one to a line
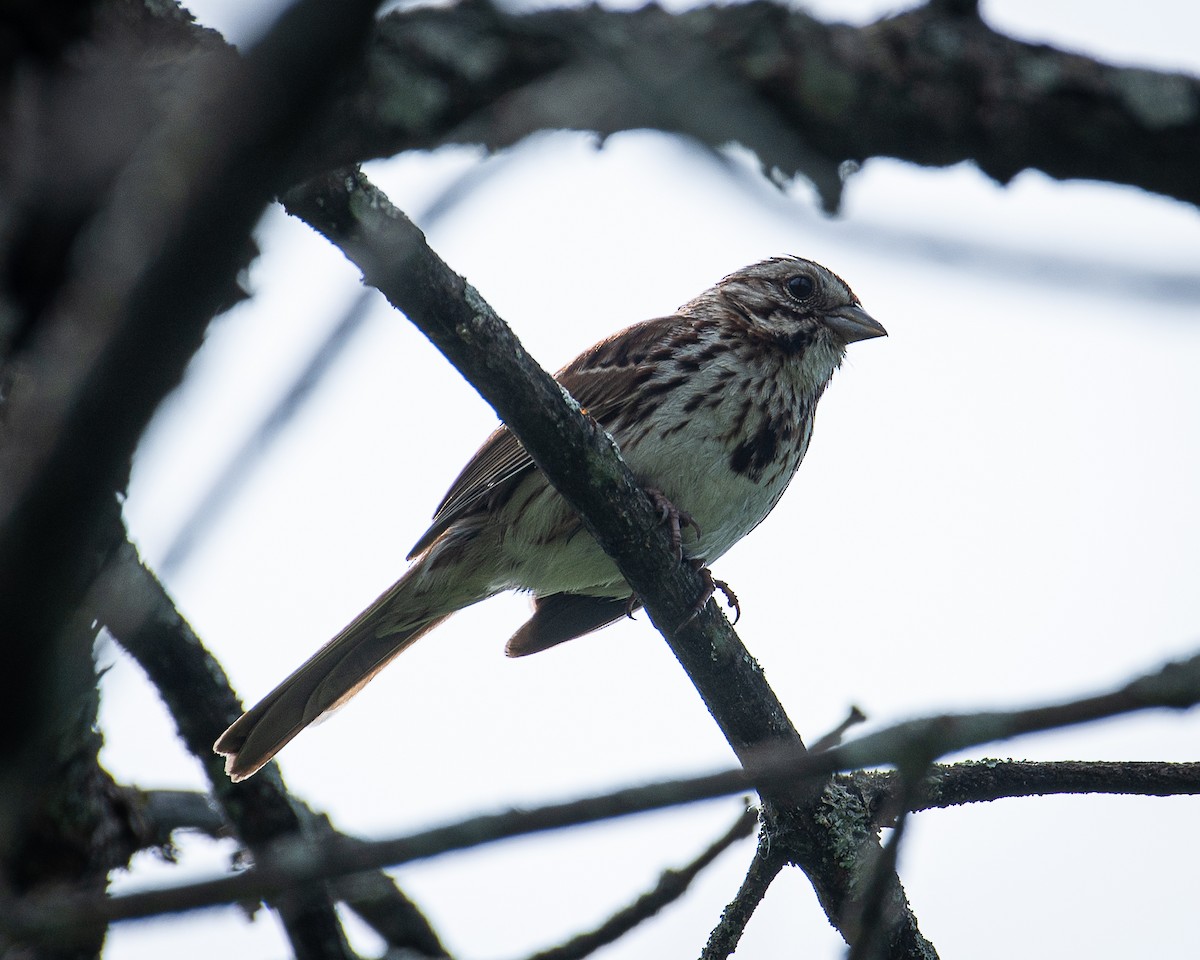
[712, 407]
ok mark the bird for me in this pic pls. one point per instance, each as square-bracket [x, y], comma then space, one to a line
[712, 409]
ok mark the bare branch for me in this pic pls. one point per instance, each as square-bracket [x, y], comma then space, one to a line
[131, 603]
[764, 868]
[1175, 686]
[671, 886]
[110, 335]
[582, 462]
[166, 811]
[769, 859]
[838, 733]
[877, 902]
[291, 863]
[374, 896]
[935, 86]
[978, 781]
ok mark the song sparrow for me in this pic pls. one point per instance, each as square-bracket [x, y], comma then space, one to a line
[712, 408]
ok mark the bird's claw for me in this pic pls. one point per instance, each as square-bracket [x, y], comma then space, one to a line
[631, 605]
[710, 586]
[675, 518]
[678, 520]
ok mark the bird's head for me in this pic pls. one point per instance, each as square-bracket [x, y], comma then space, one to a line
[793, 303]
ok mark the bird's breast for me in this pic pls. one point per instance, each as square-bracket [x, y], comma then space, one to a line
[723, 448]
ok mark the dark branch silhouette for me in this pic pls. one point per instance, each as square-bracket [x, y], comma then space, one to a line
[671, 886]
[295, 862]
[153, 254]
[931, 85]
[131, 603]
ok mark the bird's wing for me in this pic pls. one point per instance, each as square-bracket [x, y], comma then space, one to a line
[603, 380]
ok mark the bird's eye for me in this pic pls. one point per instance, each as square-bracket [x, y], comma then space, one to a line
[801, 286]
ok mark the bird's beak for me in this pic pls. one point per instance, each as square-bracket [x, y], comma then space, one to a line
[853, 323]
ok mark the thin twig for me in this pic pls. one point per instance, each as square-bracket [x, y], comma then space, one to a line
[166, 811]
[763, 870]
[672, 885]
[836, 735]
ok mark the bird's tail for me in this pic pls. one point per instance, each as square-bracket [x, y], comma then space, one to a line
[334, 674]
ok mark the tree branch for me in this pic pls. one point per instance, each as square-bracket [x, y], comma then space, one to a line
[574, 452]
[878, 901]
[934, 86]
[582, 462]
[764, 868]
[288, 863]
[110, 336]
[166, 811]
[978, 781]
[128, 599]
[672, 885]
[372, 895]
[283, 865]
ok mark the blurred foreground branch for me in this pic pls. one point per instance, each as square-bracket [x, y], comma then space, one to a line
[102, 305]
[293, 862]
[131, 603]
[933, 85]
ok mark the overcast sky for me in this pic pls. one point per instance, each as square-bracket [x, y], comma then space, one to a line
[998, 509]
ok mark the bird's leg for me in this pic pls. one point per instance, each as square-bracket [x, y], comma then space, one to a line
[677, 519]
[711, 586]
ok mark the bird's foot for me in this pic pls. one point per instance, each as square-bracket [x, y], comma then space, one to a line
[675, 518]
[710, 587]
